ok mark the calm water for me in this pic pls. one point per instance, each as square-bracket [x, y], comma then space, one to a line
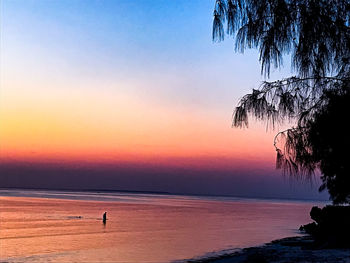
[66, 227]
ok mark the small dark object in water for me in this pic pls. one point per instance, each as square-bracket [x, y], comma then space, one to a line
[74, 217]
[104, 218]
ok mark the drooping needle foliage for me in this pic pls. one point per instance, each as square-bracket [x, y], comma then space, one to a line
[316, 34]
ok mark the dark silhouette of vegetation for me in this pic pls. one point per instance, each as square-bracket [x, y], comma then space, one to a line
[316, 34]
[331, 226]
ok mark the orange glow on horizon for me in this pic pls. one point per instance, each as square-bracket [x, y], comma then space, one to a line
[105, 127]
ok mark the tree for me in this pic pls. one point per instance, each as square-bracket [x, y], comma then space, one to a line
[316, 34]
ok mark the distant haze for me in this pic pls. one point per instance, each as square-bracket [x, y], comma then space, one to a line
[246, 182]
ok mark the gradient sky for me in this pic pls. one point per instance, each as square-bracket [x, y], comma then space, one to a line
[132, 91]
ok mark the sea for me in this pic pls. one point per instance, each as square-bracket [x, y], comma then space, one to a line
[67, 226]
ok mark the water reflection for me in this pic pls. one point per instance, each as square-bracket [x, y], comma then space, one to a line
[161, 229]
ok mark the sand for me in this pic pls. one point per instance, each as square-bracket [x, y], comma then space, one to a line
[287, 250]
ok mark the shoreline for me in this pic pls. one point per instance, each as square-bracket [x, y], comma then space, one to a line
[291, 249]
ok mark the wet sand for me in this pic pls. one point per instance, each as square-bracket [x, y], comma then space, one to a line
[287, 250]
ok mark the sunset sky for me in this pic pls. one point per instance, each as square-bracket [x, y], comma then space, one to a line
[132, 91]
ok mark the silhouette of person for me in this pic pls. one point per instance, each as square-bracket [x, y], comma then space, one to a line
[104, 218]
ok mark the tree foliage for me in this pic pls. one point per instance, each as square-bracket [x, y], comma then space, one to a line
[316, 34]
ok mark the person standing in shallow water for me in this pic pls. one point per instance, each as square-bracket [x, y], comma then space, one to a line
[104, 218]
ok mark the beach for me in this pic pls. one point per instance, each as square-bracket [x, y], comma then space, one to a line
[287, 250]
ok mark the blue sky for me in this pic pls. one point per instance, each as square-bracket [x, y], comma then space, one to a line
[130, 81]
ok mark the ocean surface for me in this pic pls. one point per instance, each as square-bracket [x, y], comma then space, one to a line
[53, 226]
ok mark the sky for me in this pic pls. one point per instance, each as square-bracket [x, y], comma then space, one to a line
[130, 95]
